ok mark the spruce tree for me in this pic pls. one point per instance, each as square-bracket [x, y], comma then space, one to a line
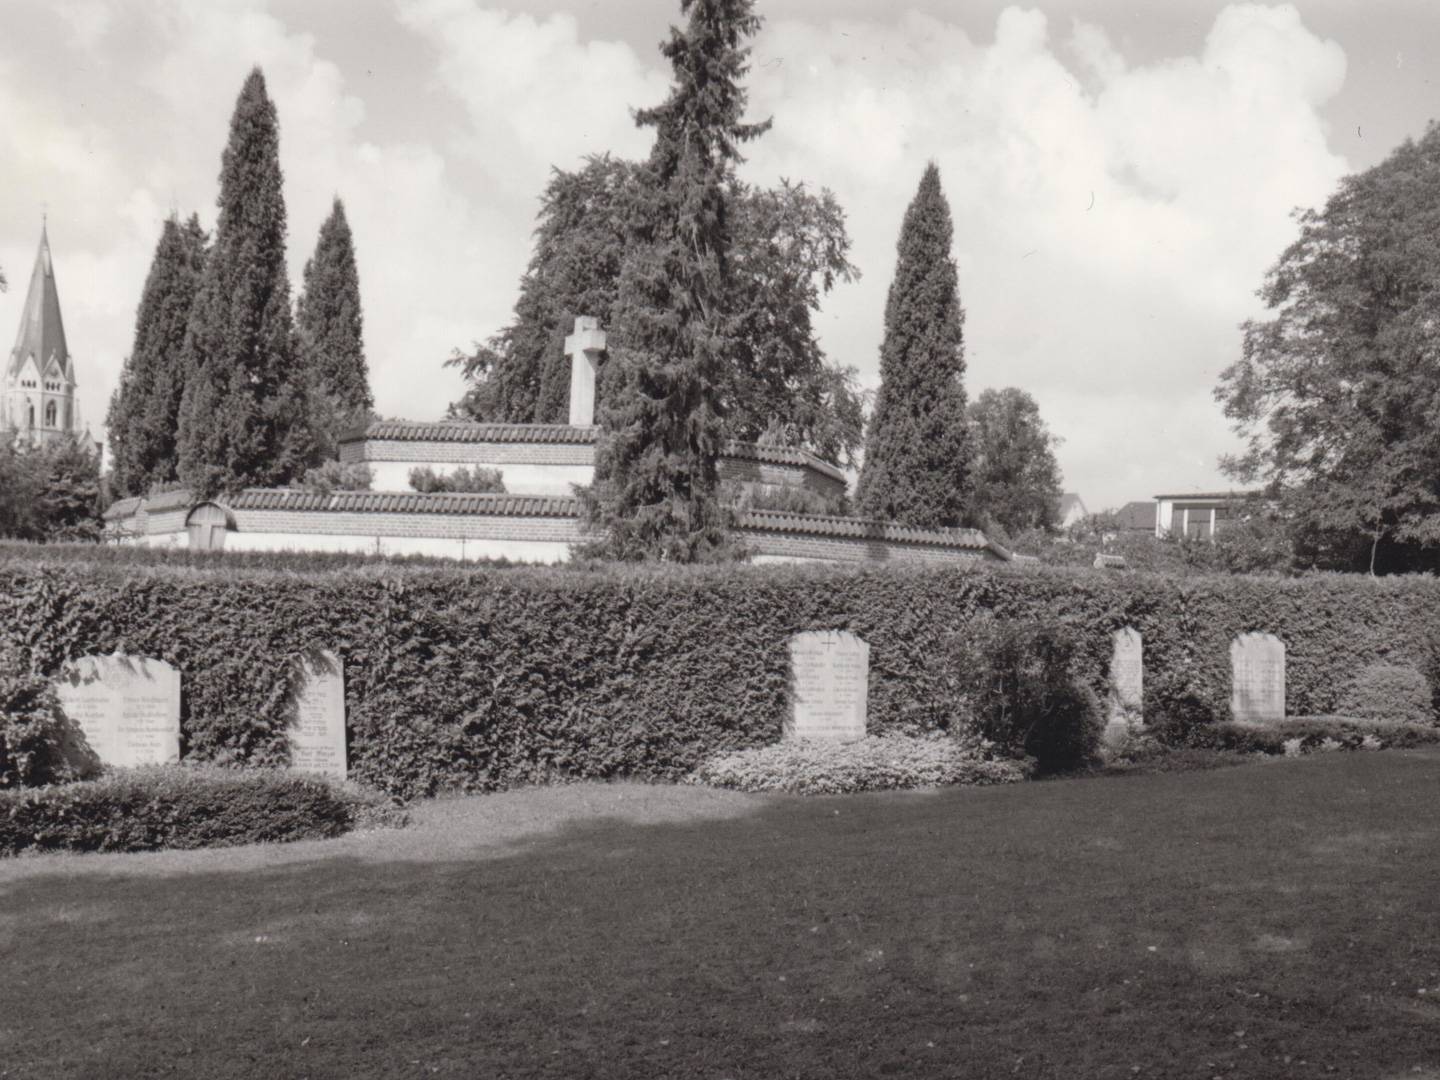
[245, 415]
[145, 409]
[329, 323]
[655, 490]
[917, 455]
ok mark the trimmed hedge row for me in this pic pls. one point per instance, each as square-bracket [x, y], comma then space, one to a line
[460, 678]
[181, 807]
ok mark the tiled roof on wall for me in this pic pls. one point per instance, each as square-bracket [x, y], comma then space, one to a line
[860, 529]
[464, 431]
[408, 502]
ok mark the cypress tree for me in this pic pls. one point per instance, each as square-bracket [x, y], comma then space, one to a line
[917, 456]
[329, 323]
[245, 415]
[655, 490]
[145, 408]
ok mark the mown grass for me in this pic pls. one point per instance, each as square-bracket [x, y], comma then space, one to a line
[1271, 920]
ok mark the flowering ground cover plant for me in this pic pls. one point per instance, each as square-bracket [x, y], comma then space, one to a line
[810, 767]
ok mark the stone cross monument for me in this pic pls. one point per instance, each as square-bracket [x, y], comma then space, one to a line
[584, 347]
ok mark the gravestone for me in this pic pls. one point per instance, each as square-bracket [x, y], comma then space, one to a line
[317, 737]
[1257, 669]
[128, 707]
[829, 686]
[1127, 684]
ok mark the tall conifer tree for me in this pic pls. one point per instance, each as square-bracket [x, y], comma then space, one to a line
[917, 456]
[145, 408]
[329, 323]
[655, 486]
[244, 420]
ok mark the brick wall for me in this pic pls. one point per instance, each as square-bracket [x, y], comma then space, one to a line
[799, 547]
[468, 453]
[440, 526]
[746, 471]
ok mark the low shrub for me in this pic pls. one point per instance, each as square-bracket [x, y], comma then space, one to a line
[1178, 713]
[331, 476]
[1307, 734]
[37, 745]
[465, 479]
[1029, 698]
[809, 767]
[178, 806]
[1397, 692]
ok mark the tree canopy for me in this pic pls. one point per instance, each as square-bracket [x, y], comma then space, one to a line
[788, 248]
[145, 408]
[49, 492]
[329, 326]
[244, 417]
[1015, 477]
[917, 456]
[662, 404]
[1337, 392]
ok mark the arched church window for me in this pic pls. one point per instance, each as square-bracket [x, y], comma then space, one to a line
[31, 407]
[50, 414]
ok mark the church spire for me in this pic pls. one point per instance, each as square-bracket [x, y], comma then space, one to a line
[42, 332]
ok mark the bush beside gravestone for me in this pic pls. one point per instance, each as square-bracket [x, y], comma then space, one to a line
[1394, 692]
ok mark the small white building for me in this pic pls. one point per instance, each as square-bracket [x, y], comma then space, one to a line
[1200, 515]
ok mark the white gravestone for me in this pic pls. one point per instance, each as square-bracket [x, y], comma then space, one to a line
[1257, 667]
[127, 706]
[317, 737]
[829, 686]
[1127, 683]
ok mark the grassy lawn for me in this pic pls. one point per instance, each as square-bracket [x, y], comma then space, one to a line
[1269, 920]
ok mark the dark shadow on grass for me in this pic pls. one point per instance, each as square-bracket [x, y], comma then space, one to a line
[1241, 917]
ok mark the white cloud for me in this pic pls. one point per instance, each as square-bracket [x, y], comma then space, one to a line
[1112, 223]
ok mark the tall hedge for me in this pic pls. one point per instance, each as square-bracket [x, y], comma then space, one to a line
[479, 678]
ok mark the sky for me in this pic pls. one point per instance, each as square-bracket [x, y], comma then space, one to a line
[1121, 174]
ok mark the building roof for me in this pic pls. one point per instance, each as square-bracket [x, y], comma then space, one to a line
[1211, 496]
[42, 332]
[1139, 514]
[406, 502]
[861, 529]
[124, 508]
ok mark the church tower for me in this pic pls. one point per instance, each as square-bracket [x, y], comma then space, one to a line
[37, 398]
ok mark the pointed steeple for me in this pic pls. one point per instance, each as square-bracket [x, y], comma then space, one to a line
[42, 332]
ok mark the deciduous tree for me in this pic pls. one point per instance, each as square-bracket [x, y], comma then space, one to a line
[1016, 479]
[1337, 392]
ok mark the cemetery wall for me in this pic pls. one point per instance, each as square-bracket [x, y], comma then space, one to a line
[465, 678]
